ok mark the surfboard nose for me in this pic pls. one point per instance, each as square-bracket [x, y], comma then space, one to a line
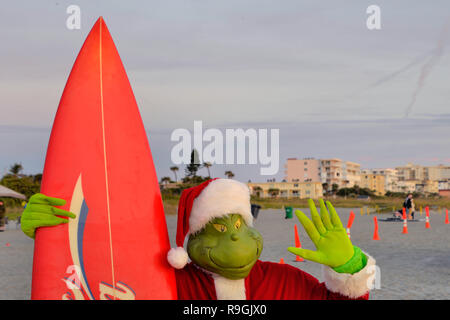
[99, 28]
[100, 25]
[100, 20]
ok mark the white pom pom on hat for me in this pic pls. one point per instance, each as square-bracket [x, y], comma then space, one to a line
[177, 257]
[200, 204]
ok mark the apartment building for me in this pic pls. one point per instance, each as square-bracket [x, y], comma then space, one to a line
[411, 172]
[408, 178]
[444, 185]
[422, 186]
[301, 190]
[428, 186]
[345, 174]
[390, 177]
[423, 173]
[427, 179]
[407, 186]
[438, 173]
[302, 170]
[329, 171]
[374, 182]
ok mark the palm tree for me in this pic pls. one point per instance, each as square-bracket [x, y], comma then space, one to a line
[174, 170]
[229, 174]
[165, 180]
[208, 165]
[16, 168]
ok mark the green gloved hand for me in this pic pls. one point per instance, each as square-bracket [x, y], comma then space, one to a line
[41, 213]
[334, 248]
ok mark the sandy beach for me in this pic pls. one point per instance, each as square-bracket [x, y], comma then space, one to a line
[412, 266]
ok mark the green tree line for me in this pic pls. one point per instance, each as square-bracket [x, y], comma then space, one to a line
[25, 184]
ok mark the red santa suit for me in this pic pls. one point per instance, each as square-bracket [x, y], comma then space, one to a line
[266, 280]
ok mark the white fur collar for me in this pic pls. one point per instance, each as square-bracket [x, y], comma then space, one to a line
[227, 289]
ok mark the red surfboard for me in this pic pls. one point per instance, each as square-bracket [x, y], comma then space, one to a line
[99, 160]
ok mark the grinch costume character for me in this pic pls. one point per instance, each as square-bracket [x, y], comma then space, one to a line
[224, 249]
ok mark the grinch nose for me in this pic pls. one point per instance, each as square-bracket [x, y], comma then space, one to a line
[234, 237]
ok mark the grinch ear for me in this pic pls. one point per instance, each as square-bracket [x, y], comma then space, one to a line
[177, 257]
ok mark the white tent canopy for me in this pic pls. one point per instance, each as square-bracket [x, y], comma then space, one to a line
[6, 192]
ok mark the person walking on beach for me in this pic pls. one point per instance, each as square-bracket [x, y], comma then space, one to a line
[409, 206]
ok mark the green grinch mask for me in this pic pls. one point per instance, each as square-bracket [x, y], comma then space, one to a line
[226, 246]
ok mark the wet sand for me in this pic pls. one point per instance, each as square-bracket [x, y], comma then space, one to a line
[412, 266]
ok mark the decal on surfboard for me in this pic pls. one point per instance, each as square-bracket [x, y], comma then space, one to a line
[77, 281]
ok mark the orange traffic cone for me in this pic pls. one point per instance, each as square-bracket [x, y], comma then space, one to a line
[375, 234]
[446, 216]
[297, 244]
[427, 218]
[405, 223]
[281, 261]
[350, 222]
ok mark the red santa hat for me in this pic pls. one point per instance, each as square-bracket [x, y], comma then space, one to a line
[200, 204]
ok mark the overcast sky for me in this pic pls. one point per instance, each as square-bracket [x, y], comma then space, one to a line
[311, 69]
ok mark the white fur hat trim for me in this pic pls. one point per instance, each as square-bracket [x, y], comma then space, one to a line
[219, 198]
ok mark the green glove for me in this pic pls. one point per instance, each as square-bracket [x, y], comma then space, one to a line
[41, 213]
[355, 264]
[334, 248]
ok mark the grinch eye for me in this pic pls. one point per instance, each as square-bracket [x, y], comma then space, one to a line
[237, 224]
[220, 227]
